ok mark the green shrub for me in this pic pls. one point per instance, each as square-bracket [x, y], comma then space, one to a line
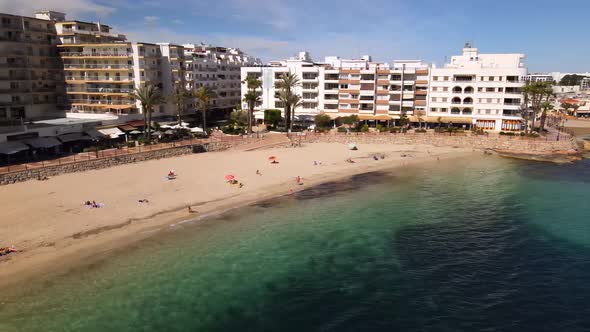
[378, 127]
[533, 135]
[383, 129]
[420, 130]
[342, 130]
[365, 128]
[394, 129]
[523, 134]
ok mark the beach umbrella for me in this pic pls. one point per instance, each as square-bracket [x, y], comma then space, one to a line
[230, 177]
[272, 158]
[135, 132]
[196, 130]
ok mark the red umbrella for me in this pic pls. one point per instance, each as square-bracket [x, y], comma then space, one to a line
[230, 177]
[272, 158]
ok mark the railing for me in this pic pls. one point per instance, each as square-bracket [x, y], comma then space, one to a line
[102, 102]
[98, 78]
[110, 153]
[106, 90]
[91, 54]
[512, 103]
[97, 66]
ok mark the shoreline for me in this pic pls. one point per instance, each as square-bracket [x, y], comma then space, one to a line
[53, 258]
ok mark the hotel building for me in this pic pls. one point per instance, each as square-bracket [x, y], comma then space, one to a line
[219, 69]
[341, 87]
[484, 90]
[31, 75]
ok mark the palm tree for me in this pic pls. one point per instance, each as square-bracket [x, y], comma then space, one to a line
[545, 106]
[536, 92]
[251, 98]
[286, 85]
[148, 96]
[204, 95]
[180, 96]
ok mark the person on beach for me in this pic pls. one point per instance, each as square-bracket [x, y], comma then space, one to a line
[298, 180]
[241, 185]
[190, 210]
[94, 205]
[258, 172]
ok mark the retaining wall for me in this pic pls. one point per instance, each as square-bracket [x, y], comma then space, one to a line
[513, 144]
[93, 164]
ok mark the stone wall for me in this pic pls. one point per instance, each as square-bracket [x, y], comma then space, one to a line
[513, 144]
[81, 166]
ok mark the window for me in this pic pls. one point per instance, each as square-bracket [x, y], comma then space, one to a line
[488, 111]
[433, 99]
[3, 113]
[435, 78]
[490, 90]
[491, 78]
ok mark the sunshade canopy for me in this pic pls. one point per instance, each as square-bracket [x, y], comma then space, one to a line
[72, 137]
[42, 142]
[111, 132]
[9, 148]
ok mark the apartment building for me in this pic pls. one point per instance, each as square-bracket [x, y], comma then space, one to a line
[173, 72]
[31, 80]
[374, 91]
[484, 90]
[219, 69]
[100, 76]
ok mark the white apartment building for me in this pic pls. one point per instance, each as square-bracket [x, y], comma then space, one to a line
[484, 90]
[219, 69]
[538, 77]
[374, 91]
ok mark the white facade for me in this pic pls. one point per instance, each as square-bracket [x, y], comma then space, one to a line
[484, 90]
[219, 69]
[341, 87]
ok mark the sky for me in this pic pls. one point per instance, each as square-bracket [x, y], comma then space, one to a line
[553, 34]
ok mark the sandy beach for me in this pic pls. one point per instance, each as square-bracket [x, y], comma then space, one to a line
[48, 222]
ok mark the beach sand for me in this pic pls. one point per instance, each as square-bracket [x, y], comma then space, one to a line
[48, 222]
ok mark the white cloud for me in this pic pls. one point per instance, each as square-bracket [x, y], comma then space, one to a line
[265, 48]
[73, 8]
[151, 19]
[177, 21]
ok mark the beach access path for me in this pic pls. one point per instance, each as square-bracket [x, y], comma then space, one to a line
[49, 223]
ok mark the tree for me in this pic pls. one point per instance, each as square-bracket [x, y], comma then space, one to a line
[566, 107]
[323, 121]
[148, 96]
[536, 92]
[180, 96]
[272, 117]
[251, 97]
[545, 106]
[350, 120]
[571, 80]
[286, 86]
[420, 114]
[239, 118]
[204, 95]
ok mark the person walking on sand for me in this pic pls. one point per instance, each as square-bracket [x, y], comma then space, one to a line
[258, 172]
[190, 210]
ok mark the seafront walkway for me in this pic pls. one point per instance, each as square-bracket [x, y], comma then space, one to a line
[124, 151]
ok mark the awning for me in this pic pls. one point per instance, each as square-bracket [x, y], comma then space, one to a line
[378, 117]
[71, 137]
[137, 123]
[111, 132]
[127, 128]
[95, 134]
[442, 119]
[12, 147]
[42, 142]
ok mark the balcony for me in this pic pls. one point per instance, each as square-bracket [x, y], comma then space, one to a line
[98, 66]
[13, 78]
[71, 89]
[99, 79]
[96, 54]
[102, 102]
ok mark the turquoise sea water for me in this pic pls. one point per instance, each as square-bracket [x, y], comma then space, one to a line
[481, 244]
